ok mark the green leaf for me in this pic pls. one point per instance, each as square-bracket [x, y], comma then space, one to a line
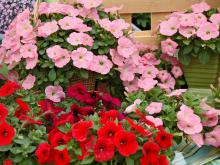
[18, 158]
[204, 57]
[88, 160]
[196, 49]
[78, 151]
[212, 46]
[52, 75]
[186, 42]
[84, 74]
[5, 148]
[4, 70]
[187, 49]
[129, 161]
[218, 46]
[185, 59]
[61, 147]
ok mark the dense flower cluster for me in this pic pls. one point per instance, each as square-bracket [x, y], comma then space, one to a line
[191, 32]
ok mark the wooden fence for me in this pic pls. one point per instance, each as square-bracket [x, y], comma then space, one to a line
[157, 8]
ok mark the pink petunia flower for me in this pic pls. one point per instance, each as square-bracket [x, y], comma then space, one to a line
[150, 72]
[198, 139]
[154, 107]
[147, 84]
[208, 31]
[28, 51]
[76, 39]
[126, 47]
[54, 52]
[68, 23]
[24, 28]
[177, 92]
[212, 138]
[177, 71]
[116, 58]
[88, 4]
[89, 13]
[200, 7]
[169, 27]
[31, 62]
[48, 28]
[127, 72]
[101, 64]
[169, 47]
[187, 19]
[133, 107]
[200, 19]
[207, 107]
[149, 59]
[163, 75]
[187, 31]
[82, 58]
[157, 121]
[211, 119]
[54, 93]
[131, 86]
[215, 18]
[29, 81]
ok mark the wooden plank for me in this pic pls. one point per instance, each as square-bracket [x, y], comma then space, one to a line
[152, 6]
[146, 37]
[127, 18]
[156, 18]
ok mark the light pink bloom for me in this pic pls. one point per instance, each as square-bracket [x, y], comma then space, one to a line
[211, 119]
[76, 39]
[215, 18]
[149, 59]
[117, 27]
[212, 138]
[2, 54]
[208, 31]
[89, 13]
[116, 58]
[133, 107]
[154, 107]
[177, 71]
[113, 9]
[169, 27]
[207, 107]
[170, 82]
[187, 31]
[31, 62]
[88, 4]
[150, 72]
[169, 47]
[54, 93]
[54, 52]
[13, 76]
[163, 75]
[157, 121]
[24, 28]
[28, 51]
[200, 19]
[126, 47]
[187, 19]
[200, 7]
[131, 86]
[127, 72]
[171, 59]
[198, 139]
[29, 81]
[147, 84]
[101, 64]
[177, 92]
[48, 28]
[184, 112]
[68, 23]
[82, 28]
[82, 58]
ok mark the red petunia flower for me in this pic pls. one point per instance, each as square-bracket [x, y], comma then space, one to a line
[78, 92]
[63, 119]
[164, 139]
[30, 120]
[43, 153]
[109, 130]
[8, 89]
[48, 105]
[7, 133]
[86, 147]
[22, 109]
[103, 150]
[163, 160]
[92, 98]
[80, 130]
[61, 157]
[143, 119]
[3, 112]
[110, 102]
[151, 151]
[111, 115]
[79, 112]
[7, 162]
[58, 139]
[149, 160]
[126, 143]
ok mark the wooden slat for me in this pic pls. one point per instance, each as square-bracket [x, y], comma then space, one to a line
[156, 18]
[146, 37]
[152, 6]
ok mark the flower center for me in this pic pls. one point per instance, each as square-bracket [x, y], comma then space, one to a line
[101, 149]
[5, 133]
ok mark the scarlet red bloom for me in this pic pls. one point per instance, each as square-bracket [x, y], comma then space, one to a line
[103, 150]
[79, 112]
[3, 112]
[146, 160]
[80, 130]
[43, 153]
[143, 118]
[58, 139]
[109, 130]
[8, 89]
[7, 162]
[78, 92]
[111, 115]
[126, 143]
[110, 102]
[151, 151]
[61, 157]
[64, 118]
[30, 120]
[164, 139]
[7, 133]
[163, 160]
[92, 98]
[86, 147]
[22, 109]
